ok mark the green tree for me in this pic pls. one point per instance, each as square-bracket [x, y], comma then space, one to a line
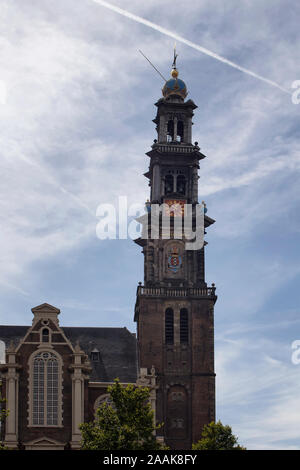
[3, 415]
[216, 436]
[126, 424]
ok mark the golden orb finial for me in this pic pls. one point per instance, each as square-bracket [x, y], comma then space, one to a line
[174, 73]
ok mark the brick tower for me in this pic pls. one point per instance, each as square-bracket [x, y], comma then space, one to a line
[175, 308]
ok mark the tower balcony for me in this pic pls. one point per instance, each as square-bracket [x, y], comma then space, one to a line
[208, 293]
[175, 148]
[174, 291]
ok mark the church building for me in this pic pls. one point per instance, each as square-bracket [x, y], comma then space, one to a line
[54, 377]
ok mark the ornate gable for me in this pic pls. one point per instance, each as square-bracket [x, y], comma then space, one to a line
[45, 330]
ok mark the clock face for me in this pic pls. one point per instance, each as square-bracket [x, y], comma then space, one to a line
[174, 207]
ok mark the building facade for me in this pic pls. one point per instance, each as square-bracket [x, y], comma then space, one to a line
[54, 377]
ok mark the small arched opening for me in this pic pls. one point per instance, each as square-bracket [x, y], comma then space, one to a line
[169, 184]
[180, 128]
[170, 131]
[45, 335]
[181, 184]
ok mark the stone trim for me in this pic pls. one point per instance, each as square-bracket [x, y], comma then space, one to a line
[80, 368]
[45, 312]
[44, 443]
[12, 396]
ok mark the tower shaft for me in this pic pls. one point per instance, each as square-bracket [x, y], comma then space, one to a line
[174, 308]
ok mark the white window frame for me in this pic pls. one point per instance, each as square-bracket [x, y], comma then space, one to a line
[45, 390]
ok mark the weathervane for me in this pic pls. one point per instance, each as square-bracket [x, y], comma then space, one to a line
[175, 57]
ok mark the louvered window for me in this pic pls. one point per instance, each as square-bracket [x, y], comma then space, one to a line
[169, 184]
[169, 326]
[184, 326]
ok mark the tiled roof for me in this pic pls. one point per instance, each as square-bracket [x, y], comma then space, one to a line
[117, 348]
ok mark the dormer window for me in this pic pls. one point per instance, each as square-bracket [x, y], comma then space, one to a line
[95, 355]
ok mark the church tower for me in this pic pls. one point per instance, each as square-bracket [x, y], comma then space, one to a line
[174, 308]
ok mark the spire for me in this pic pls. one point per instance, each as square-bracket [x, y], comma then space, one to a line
[174, 86]
[175, 57]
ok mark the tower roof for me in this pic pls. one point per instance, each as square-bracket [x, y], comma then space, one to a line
[174, 86]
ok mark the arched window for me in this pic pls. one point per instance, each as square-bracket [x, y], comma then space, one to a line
[105, 398]
[169, 326]
[184, 326]
[181, 184]
[179, 137]
[170, 131]
[45, 335]
[169, 184]
[45, 390]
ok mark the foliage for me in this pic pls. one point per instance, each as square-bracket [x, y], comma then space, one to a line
[216, 436]
[126, 424]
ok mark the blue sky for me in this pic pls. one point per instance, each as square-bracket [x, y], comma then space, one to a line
[75, 126]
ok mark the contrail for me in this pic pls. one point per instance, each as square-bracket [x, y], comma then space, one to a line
[54, 182]
[165, 31]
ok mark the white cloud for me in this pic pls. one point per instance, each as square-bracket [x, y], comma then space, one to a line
[74, 130]
[257, 391]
